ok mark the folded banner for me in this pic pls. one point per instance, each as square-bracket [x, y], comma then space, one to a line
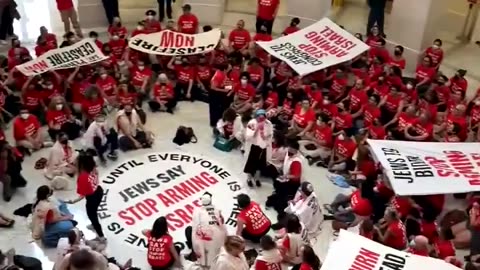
[173, 43]
[354, 252]
[423, 168]
[84, 52]
[318, 46]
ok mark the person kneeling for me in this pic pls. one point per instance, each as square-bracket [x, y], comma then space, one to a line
[163, 96]
[252, 223]
[131, 130]
[100, 138]
[61, 162]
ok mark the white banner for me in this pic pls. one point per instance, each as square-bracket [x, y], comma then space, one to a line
[173, 43]
[84, 52]
[354, 252]
[422, 168]
[318, 46]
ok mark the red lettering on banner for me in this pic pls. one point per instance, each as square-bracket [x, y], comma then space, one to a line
[168, 198]
[37, 66]
[365, 260]
[458, 164]
[327, 42]
[172, 39]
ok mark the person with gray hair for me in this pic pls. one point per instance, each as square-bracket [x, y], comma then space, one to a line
[162, 98]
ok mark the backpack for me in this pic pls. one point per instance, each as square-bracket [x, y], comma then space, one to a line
[184, 135]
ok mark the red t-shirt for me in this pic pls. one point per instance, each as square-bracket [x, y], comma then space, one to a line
[107, 85]
[295, 170]
[423, 128]
[64, 5]
[188, 24]
[87, 183]
[138, 76]
[32, 98]
[423, 253]
[398, 237]
[404, 120]
[458, 84]
[58, 117]
[255, 221]
[41, 49]
[444, 248]
[119, 31]
[302, 120]
[118, 47]
[152, 26]
[266, 9]
[329, 110]
[126, 98]
[401, 63]
[393, 102]
[163, 92]
[369, 114]
[23, 128]
[360, 206]
[78, 91]
[429, 230]
[345, 148]
[380, 89]
[343, 121]
[271, 100]
[256, 74]
[51, 40]
[461, 122]
[315, 96]
[239, 38]
[263, 265]
[338, 87]
[422, 72]
[475, 115]
[92, 108]
[402, 205]
[158, 252]
[244, 92]
[435, 55]
[324, 134]
[358, 98]
[377, 132]
[290, 30]
[204, 73]
[184, 74]
[305, 266]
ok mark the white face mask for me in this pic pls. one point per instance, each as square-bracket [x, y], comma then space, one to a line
[178, 62]
[103, 76]
[435, 46]
[326, 102]
[24, 116]
[115, 38]
[140, 28]
[477, 102]
[121, 63]
[141, 68]
[59, 106]
[341, 137]
[150, 17]
[319, 122]
[244, 82]
[50, 87]
[409, 86]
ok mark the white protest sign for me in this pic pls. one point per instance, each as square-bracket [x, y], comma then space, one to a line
[354, 252]
[84, 52]
[423, 168]
[174, 43]
[316, 47]
[168, 184]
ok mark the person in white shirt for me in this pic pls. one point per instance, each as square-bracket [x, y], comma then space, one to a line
[61, 162]
[294, 237]
[231, 256]
[207, 234]
[258, 146]
[100, 138]
[279, 152]
[132, 132]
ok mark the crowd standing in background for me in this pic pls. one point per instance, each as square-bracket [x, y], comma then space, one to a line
[260, 106]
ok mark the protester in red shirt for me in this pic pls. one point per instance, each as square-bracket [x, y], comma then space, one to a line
[140, 29]
[257, 73]
[292, 28]
[371, 111]
[373, 37]
[33, 96]
[88, 188]
[60, 119]
[358, 98]
[50, 38]
[26, 131]
[239, 38]
[252, 223]
[343, 149]
[126, 95]
[271, 257]
[391, 105]
[163, 96]
[140, 76]
[343, 121]
[204, 74]
[92, 105]
[117, 29]
[420, 130]
[458, 81]
[397, 58]
[443, 246]
[321, 138]
[379, 50]
[395, 235]
[161, 252]
[185, 75]
[435, 52]
[425, 72]
[107, 86]
[303, 118]
[68, 14]
[188, 22]
[266, 13]
[244, 93]
[152, 25]
[41, 47]
[118, 46]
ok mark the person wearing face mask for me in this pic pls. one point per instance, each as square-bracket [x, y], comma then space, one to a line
[116, 28]
[69, 16]
[474, 117]
[27, 132]
[239, 39]
[132, 133]
[206, 235]
[458, 81]
[140, 29]
[140, 76]
[185, 74]
[292, 28]
[204, 75]
[373, 36]
[258, 146]
[162, 98]
[435, 52]
[101, 138]
[318, 144]
[61, 161]
[339, 84]
[244, 93]
[107, 86]
[60, 119]
[68, 39]
[117, 45]
[152, 25]
[50, 38]
[397, 58]
[303, 119]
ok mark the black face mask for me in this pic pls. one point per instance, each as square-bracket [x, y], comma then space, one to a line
[128, 113]
[106, 52]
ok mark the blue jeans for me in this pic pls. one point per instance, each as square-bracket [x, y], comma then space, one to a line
[54, 231]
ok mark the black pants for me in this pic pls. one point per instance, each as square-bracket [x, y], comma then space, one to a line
[267, 23]
[126, 144]
[111, 9]
[376, 16]
[256, 160]
[93, 202]
[188, 236]
[155, 106]
[70, 128]
[284, 191]
[6, 23]
[162, 5]
[217, 105]
[111, 145]
[252, 237]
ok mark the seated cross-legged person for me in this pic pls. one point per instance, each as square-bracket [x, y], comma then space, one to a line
[132, 133]
[244, 94]
[60, 119]
[28, 133]
[61, 161]
[318, 144]
[303, 119]
[344, 148]
[163, 96]
[92, 105]
[101, 138]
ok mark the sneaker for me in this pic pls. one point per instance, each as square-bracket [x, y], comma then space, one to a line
[328, 217]
[112, 156]
[258, 183]
[90, 227]
[250, 182]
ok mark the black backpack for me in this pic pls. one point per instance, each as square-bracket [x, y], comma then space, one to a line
[27, 263]
[184, 135]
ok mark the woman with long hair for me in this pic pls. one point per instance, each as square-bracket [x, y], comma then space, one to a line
[161, 253]
[310, 260]
[88, 187]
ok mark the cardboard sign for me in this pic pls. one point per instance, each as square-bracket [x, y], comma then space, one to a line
[174, 43]
[84, 52]
[316, 47]
[355, 252]
[423, 168]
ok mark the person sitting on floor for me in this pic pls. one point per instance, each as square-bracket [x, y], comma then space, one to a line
[162, 98]
[132, 133]
[60, 119]
[225, 125]
[319, 143]
[61, 162]
[252, 223]
[100, 138]
[28, 133]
